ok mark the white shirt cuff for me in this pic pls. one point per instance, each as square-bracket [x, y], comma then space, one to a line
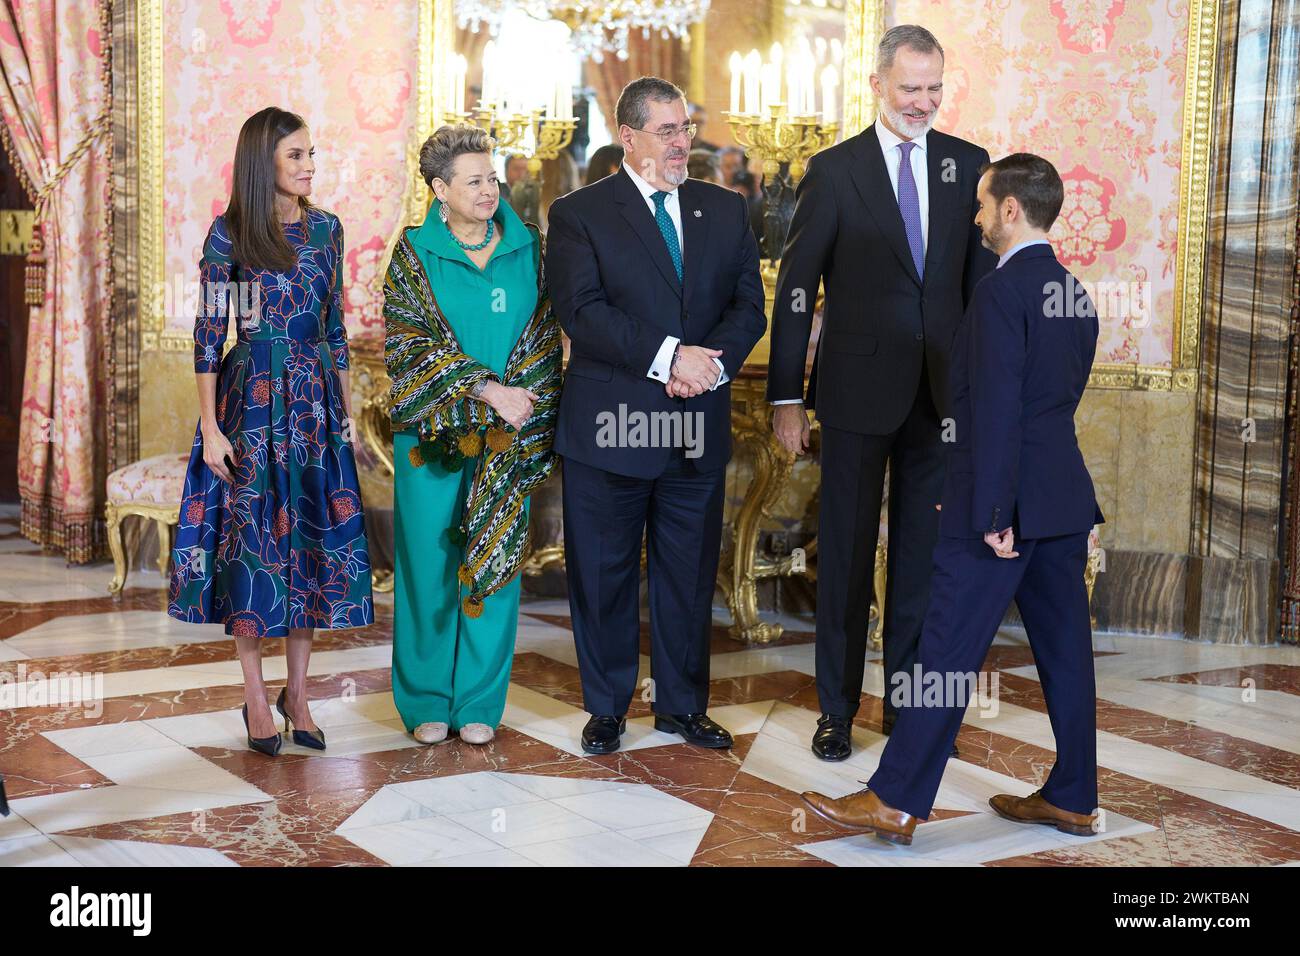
[662, 368]
[788, 401]
[722, 374]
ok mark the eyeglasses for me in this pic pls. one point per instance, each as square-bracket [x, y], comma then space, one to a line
[666, 136]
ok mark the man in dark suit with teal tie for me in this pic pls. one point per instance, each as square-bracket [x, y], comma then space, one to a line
[1018, 505]
[655, 279]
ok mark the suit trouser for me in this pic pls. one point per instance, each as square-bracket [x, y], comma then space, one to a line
[969, 594]
[606, 515]
[852, 482]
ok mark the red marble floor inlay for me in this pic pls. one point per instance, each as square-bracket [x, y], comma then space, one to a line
[1280, 677]
[754, 822]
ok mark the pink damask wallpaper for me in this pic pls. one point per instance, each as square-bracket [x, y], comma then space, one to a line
[347, 66]
[1096, 86]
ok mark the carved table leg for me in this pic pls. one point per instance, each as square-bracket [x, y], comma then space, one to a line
[772, 467]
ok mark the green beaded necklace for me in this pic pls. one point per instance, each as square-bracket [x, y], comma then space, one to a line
[487, 237]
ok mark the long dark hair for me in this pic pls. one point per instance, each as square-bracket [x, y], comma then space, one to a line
[603, 161]
[256, 236]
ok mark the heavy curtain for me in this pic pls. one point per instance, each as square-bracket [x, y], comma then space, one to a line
[55, 102]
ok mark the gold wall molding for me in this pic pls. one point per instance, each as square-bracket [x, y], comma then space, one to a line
[434, 47]
[864, 23]
[149, 150]
[1193, 206]
[435, 44]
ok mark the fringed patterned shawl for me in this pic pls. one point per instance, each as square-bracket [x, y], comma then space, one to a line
[431, 378]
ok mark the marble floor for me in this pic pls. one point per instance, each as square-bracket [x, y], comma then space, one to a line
[1198, 744]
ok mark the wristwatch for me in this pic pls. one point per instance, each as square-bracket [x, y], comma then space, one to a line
[476, 390]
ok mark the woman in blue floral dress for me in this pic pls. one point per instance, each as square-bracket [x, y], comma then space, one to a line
[271, 541]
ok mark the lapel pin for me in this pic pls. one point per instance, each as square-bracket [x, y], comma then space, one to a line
[698, 214]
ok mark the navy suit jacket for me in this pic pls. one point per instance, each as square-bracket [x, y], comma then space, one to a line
[617, 296]
[1020, 362]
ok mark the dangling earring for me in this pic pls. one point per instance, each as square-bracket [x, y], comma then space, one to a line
[442, 212]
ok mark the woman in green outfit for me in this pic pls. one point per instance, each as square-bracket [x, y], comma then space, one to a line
[473, 352]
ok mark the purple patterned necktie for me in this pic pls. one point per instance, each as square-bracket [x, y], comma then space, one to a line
[909, 204]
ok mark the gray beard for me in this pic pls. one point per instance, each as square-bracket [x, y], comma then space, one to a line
[905, 125]
[675, 179]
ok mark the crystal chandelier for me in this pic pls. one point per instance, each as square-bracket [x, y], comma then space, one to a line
[597, 27]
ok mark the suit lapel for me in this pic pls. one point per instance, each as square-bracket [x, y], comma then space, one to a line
[871, 179]
[642, 221]
[695, 232]
[940, 223]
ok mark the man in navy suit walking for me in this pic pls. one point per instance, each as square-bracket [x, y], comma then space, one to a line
[655, 279]
[1018, 505]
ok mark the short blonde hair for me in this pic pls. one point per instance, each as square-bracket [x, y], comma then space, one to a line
[439, 152]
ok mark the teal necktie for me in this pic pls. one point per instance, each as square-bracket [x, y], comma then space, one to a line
[669, 231]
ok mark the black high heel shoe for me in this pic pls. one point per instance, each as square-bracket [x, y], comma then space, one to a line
[315, 739]
[263, 745]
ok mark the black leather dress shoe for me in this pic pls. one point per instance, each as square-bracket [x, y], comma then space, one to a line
[833, 739]
[601, 735]
[4, 803]
[698, 729]
[887, 726]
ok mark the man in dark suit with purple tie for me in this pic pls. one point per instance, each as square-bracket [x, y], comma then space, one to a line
[883, 220]
[1018, 505]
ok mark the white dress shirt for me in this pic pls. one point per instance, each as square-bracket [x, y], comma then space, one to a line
[889, 149]
[1016, 248]
[661, 369]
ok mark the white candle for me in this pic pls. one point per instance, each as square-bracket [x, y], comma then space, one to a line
[753, 63]
[829, 99]
[488, 95]
[737, 65]
[462, 72]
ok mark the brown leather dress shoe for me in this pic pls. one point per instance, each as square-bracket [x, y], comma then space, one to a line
[864, 811]
[1034, 809]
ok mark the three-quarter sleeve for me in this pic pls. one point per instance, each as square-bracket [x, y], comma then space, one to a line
[213, 312]
[336, 332]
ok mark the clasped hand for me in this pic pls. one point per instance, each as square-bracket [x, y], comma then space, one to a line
[515, 405]
[694, 371]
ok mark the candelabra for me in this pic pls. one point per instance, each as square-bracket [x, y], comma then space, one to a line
[784, 144]
[779, 140]
[531, 134]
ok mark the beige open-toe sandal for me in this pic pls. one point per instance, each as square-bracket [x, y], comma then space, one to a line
[430, 733]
